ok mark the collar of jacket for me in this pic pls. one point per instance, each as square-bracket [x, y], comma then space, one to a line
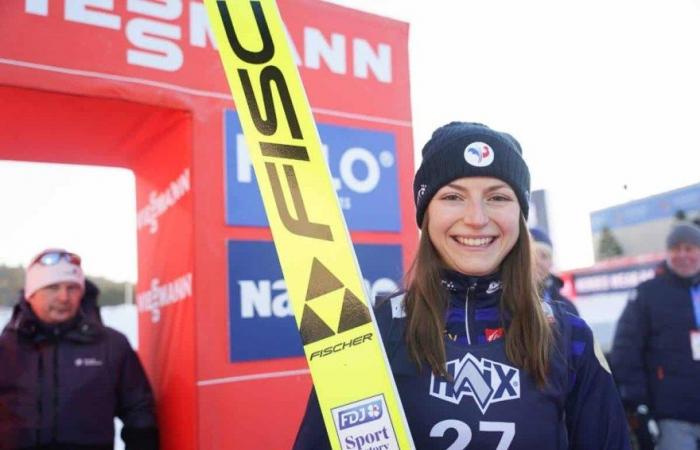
[553, 282]
[474, 307]
[478, 288]
[687, 282]
[82, 328]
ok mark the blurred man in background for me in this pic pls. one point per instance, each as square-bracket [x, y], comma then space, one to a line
[63, 375]
[656, 350]
[549, 284]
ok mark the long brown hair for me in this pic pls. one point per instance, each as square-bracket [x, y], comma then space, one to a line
[528, 336]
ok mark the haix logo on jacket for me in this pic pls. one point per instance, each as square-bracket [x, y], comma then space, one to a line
[484, 380]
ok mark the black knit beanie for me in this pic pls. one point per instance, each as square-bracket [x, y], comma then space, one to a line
[464, 149]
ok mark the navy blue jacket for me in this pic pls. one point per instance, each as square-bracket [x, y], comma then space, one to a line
[552, 293]
[492, 404]
[651, 355]
[61, 386]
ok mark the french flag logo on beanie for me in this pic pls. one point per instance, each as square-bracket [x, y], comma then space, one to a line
[478, 154]
[468, 149]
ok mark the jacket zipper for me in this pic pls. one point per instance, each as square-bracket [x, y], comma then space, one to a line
[37, 434]
[466, 313]
[54, 427]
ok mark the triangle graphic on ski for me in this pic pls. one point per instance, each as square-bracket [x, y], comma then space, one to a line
[321, 281]
[312, 327]
[353, 314]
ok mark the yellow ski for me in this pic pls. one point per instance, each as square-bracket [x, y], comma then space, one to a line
[356, 390]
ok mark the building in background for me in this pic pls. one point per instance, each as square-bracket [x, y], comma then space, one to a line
[629, 242]
[639, 227]
[538, 217]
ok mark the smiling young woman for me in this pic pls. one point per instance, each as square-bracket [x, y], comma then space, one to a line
[479, 360]
[471, 227]
[474, 224]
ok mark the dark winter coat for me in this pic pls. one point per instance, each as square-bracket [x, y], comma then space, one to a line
[552, 293]
[61, 386]
[651, 356]
[498, 405]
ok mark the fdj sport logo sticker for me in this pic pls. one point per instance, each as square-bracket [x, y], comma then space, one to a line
[364, 424]
[357, 415]
[478, 154]
[483, 380]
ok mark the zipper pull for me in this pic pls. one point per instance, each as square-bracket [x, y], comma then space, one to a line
[466, 313]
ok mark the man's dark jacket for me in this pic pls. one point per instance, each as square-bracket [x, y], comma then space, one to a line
[551, 292]
[62, 385]
[651, 356]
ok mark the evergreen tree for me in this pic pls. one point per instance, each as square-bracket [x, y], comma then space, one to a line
[608, 247]
[12, 281]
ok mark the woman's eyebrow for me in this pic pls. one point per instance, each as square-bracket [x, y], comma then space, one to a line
[496, 187]
[492, 188]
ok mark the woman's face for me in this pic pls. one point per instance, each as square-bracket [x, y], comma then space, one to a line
[473, 223]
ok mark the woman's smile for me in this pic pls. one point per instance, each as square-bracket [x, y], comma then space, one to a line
[473, 223]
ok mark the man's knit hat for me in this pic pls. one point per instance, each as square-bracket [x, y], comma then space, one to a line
[40, 275]
[683, 233]
[464, 149]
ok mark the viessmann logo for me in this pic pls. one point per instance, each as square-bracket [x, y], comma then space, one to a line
[160, 202]
[485, 381]
[157, 32]
[161, 295]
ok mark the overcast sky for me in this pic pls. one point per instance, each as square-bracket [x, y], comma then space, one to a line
[602, 95]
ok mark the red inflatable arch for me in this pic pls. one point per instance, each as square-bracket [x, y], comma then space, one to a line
[138, 84]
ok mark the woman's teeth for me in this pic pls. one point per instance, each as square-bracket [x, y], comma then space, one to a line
[478, 242]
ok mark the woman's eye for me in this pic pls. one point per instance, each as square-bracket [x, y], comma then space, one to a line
[450, 197]
[501, 198]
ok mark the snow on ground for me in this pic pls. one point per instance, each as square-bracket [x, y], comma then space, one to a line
[601, 312]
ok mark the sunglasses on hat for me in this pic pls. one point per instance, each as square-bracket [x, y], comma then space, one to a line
[52, 257]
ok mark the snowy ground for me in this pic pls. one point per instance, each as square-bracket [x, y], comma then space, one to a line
[601, 313]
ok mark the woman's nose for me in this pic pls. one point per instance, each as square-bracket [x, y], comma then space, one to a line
[475, 214]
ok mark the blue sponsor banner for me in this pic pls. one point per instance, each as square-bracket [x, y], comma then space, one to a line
[261, 319]
[363, 168]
